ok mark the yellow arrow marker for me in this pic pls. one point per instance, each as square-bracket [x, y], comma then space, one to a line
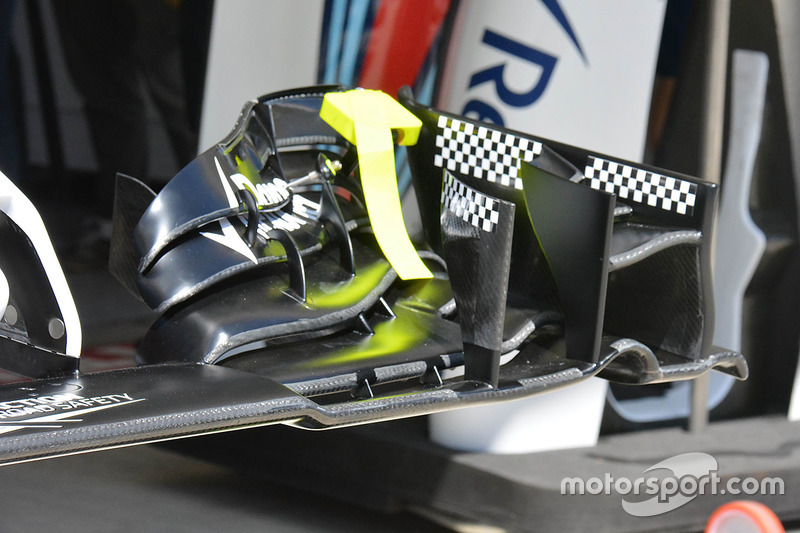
[366, 119]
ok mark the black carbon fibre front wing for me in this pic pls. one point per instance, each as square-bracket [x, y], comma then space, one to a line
[521, 300]
[49, 418]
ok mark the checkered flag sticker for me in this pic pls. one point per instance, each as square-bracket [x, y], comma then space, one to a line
[641, 186]
[472, 207]
[483, 152]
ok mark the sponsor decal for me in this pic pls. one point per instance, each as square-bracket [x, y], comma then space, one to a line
[511, 48]
[56, 410]
[271, 194]
[275, 193]
[230, 238]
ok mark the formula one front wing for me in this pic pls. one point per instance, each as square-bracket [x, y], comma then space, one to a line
[289, 292]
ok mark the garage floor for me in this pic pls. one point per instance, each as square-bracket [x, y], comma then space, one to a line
[150, 489]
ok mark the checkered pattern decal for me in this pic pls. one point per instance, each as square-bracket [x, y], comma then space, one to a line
[641, 186]
[463, 201]
[482, 152]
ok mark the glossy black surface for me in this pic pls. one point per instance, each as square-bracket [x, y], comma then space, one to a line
[26, 345]
[233, 204]
[260, 306]
[200, 193]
